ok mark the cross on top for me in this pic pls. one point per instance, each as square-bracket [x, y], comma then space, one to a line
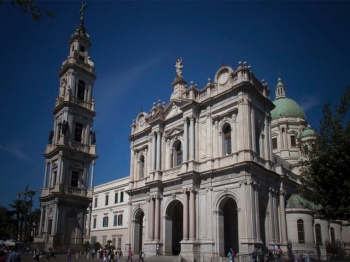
[81, 12]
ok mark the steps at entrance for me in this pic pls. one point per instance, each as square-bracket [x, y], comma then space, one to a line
[162, 259]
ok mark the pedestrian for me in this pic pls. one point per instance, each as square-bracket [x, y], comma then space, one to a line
[143, 256]
[278, 254]
[2, 254]
[48, 255]
[307, 257]
[157, 250]
[254, 255]
[229, 255]
[260, 255]
[14, 256]
[69, 255]
[53, 252]
[129, 255]
[233, 254]
[92, 251]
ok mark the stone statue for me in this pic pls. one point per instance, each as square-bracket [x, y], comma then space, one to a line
[64, 127]
[51, 136]
[179, 67]
[93, 137]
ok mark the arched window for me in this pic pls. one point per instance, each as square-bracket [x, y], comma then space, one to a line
[81, 90]
[318, 234]
[177, 154]
[306, 149]
[301, 231]
[227, 140]
[142, 167]
[332, 235]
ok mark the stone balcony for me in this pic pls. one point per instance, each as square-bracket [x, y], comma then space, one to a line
[67, 190]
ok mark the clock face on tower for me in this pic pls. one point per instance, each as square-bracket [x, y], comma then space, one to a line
[223, 77]
[142, 120]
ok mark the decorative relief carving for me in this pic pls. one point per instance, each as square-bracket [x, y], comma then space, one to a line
[224, 177]
[209, 188]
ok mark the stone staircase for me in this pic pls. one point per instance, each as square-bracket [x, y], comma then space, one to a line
[163, 259]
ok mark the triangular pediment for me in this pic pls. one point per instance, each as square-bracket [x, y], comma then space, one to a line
[174, 108]
[173, 132]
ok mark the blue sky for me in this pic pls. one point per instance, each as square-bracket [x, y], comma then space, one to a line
[135, 45]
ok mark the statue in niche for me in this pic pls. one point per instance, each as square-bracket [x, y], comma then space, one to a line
[93, 137]
[51, 133]
[64, 127]
[179, 67]
[63, 87]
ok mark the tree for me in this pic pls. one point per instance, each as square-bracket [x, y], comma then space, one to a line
[6, 225]
[325, 179]
[28, 6]
[18, 213]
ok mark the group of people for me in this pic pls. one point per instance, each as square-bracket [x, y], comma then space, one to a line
[37, 255]
[9, 254]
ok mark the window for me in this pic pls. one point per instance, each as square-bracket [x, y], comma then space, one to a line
[293, 141]
[106, 200]
[142, 167]
[78, 130]
[49, 226]
[115, 197]
[74, 180]
[318, 234]
[306, 149]
[332, 235]
[113, 241]
[104, 241]
[94, 223]
[95, 205]
[257, 141]
[274, 143]
[81, 58]
[120, 220]
[177, 154]
[227, 140]
[82, 49]
[119, 245]
[105, 222]
[81, 90]
[121, 197]
[53, 179]
[93, 240]
[301, 232]
[115, 220]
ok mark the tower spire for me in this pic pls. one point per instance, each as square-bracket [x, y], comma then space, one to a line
[280, 89]
[81, 12]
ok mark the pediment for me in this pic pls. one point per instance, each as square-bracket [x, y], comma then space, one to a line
[174, 108]
[76, 166]
[174, 132]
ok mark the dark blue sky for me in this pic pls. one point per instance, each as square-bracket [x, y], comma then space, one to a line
[135, 45]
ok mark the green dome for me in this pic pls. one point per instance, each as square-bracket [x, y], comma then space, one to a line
[296, 201]
[308, 132]
[286, 107]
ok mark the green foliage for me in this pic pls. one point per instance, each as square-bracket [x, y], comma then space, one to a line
[109, 245]
[33, 9]
[97, 245]
[86, 245]
[325, 179]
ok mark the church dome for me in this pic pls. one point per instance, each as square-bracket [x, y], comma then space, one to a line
[286, 107]
[296, 201]
[308, 132]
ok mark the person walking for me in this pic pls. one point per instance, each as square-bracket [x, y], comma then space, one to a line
[129, 255]
[69, 255]
[14, 256]
[229, 255]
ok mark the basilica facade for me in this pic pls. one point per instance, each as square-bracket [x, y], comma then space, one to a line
[215, 167]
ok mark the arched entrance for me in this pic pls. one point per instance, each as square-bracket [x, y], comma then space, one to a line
[138, 231]
[173, 228]
[228, 226]
[73, 230]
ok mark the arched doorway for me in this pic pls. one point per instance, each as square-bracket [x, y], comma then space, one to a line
[173, 228]
[228, 226]
[138, 231]
[73, 230]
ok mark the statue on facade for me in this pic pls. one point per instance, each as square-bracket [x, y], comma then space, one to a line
[64, 127]
[179, 67]
[93, 137]
[51, 136]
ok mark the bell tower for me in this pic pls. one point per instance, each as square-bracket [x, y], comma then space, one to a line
[70, 152]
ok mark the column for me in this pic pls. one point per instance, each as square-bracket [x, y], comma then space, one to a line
[158, 150]
[271, 220]
[185, 217]
[209, 137]
[156, 220]
[89, 221]
[54, 219]
[275, 215]
[46, 219]
[283, 217]
[233, 134]
[191, 138]
[185, 145]
[92, 174]
[41, 220]
[151, 219]
[192, 213]
[59, 163]
[45, 174]
[267, 141]
[252, 124]
[257, 212]
[215, 140]
[154, 152]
